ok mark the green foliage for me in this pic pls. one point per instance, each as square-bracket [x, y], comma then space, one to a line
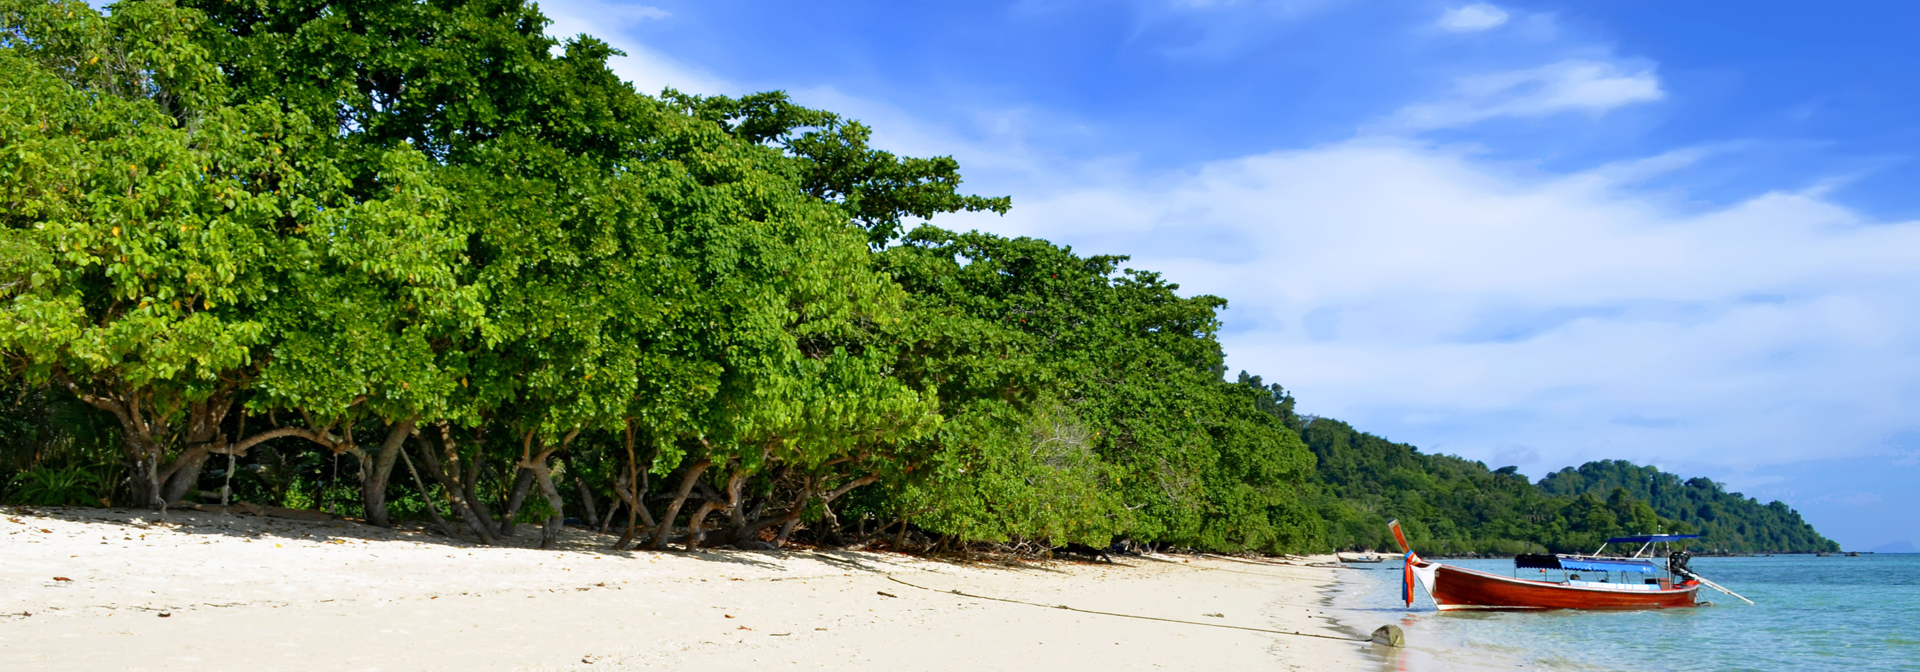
[834, 162]
[1183, 457]
[1009, 477]
[172, 230]
[72, 485]
[1451, 505]
[1726, 521]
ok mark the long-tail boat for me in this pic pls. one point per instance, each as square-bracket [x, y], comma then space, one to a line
[1562, 581]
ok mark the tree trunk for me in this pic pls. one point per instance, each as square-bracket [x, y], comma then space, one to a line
[665, 529]
[427, 497]
[203, 438]
[633, 490]
[698, 520]
[621, 487]
[475, 518]
[143, 451]
[635, 509]
[732, 507]
[786, 521]
[550, 533]
[521, 484]
[786, 532]
[789, 520]
[826, 504]
[183, 474]
[376, 469]
[613, 513]
[621, 490]
[586, 502]
[144, 478]
[470, 485]
[736, 509]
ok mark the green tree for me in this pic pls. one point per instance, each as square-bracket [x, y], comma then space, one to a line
[1189, 458]
[834, 162]
[1727, 521]
[156, 219]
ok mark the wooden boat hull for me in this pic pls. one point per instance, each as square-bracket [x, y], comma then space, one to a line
[1460, 588]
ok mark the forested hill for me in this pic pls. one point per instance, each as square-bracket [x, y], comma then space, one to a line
[1453, 505]
[1727, 520]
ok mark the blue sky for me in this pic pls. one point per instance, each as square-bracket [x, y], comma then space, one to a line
[1525, 233]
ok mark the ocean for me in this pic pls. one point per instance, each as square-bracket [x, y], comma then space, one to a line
[1812, 613]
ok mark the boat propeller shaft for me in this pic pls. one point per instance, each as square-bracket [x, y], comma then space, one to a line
[1703, 580]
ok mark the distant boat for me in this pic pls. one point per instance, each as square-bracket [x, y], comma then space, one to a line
[1367, 558]
[1853, 554]
[1622, 582]
[1824, 554]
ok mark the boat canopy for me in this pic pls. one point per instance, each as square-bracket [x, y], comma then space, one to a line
[1641, 566]
[1643, 538]
[1536, 561]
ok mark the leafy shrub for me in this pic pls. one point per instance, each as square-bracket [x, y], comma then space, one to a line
[73, 485]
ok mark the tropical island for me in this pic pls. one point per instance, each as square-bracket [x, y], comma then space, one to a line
[426, 263]
[412, 328]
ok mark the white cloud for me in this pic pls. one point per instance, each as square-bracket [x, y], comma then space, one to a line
[1472, 18]
[1592, 87]
[648, 70]
[1465, 306]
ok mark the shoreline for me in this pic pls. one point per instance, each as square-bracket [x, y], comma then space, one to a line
[282, 594]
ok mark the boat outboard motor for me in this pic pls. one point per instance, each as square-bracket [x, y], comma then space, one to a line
[1677, 564]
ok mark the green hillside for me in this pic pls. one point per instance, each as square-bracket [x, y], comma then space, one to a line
[1727, 520]
[1453, 505]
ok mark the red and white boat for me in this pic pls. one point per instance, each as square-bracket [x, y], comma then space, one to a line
[1562, 581]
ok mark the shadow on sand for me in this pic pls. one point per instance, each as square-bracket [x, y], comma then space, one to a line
[572, 540]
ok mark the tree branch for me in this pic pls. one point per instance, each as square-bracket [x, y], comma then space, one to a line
[240, 448]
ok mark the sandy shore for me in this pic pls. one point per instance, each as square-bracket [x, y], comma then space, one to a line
[243, 592]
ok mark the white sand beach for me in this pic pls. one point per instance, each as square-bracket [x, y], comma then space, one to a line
[106, 589]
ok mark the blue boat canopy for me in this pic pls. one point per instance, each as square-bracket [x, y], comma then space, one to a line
[1641, 566]
[1643, 538]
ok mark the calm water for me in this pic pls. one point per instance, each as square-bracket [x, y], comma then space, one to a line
[1834, 613]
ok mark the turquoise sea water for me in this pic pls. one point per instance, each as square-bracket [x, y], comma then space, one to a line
[1813, 613]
